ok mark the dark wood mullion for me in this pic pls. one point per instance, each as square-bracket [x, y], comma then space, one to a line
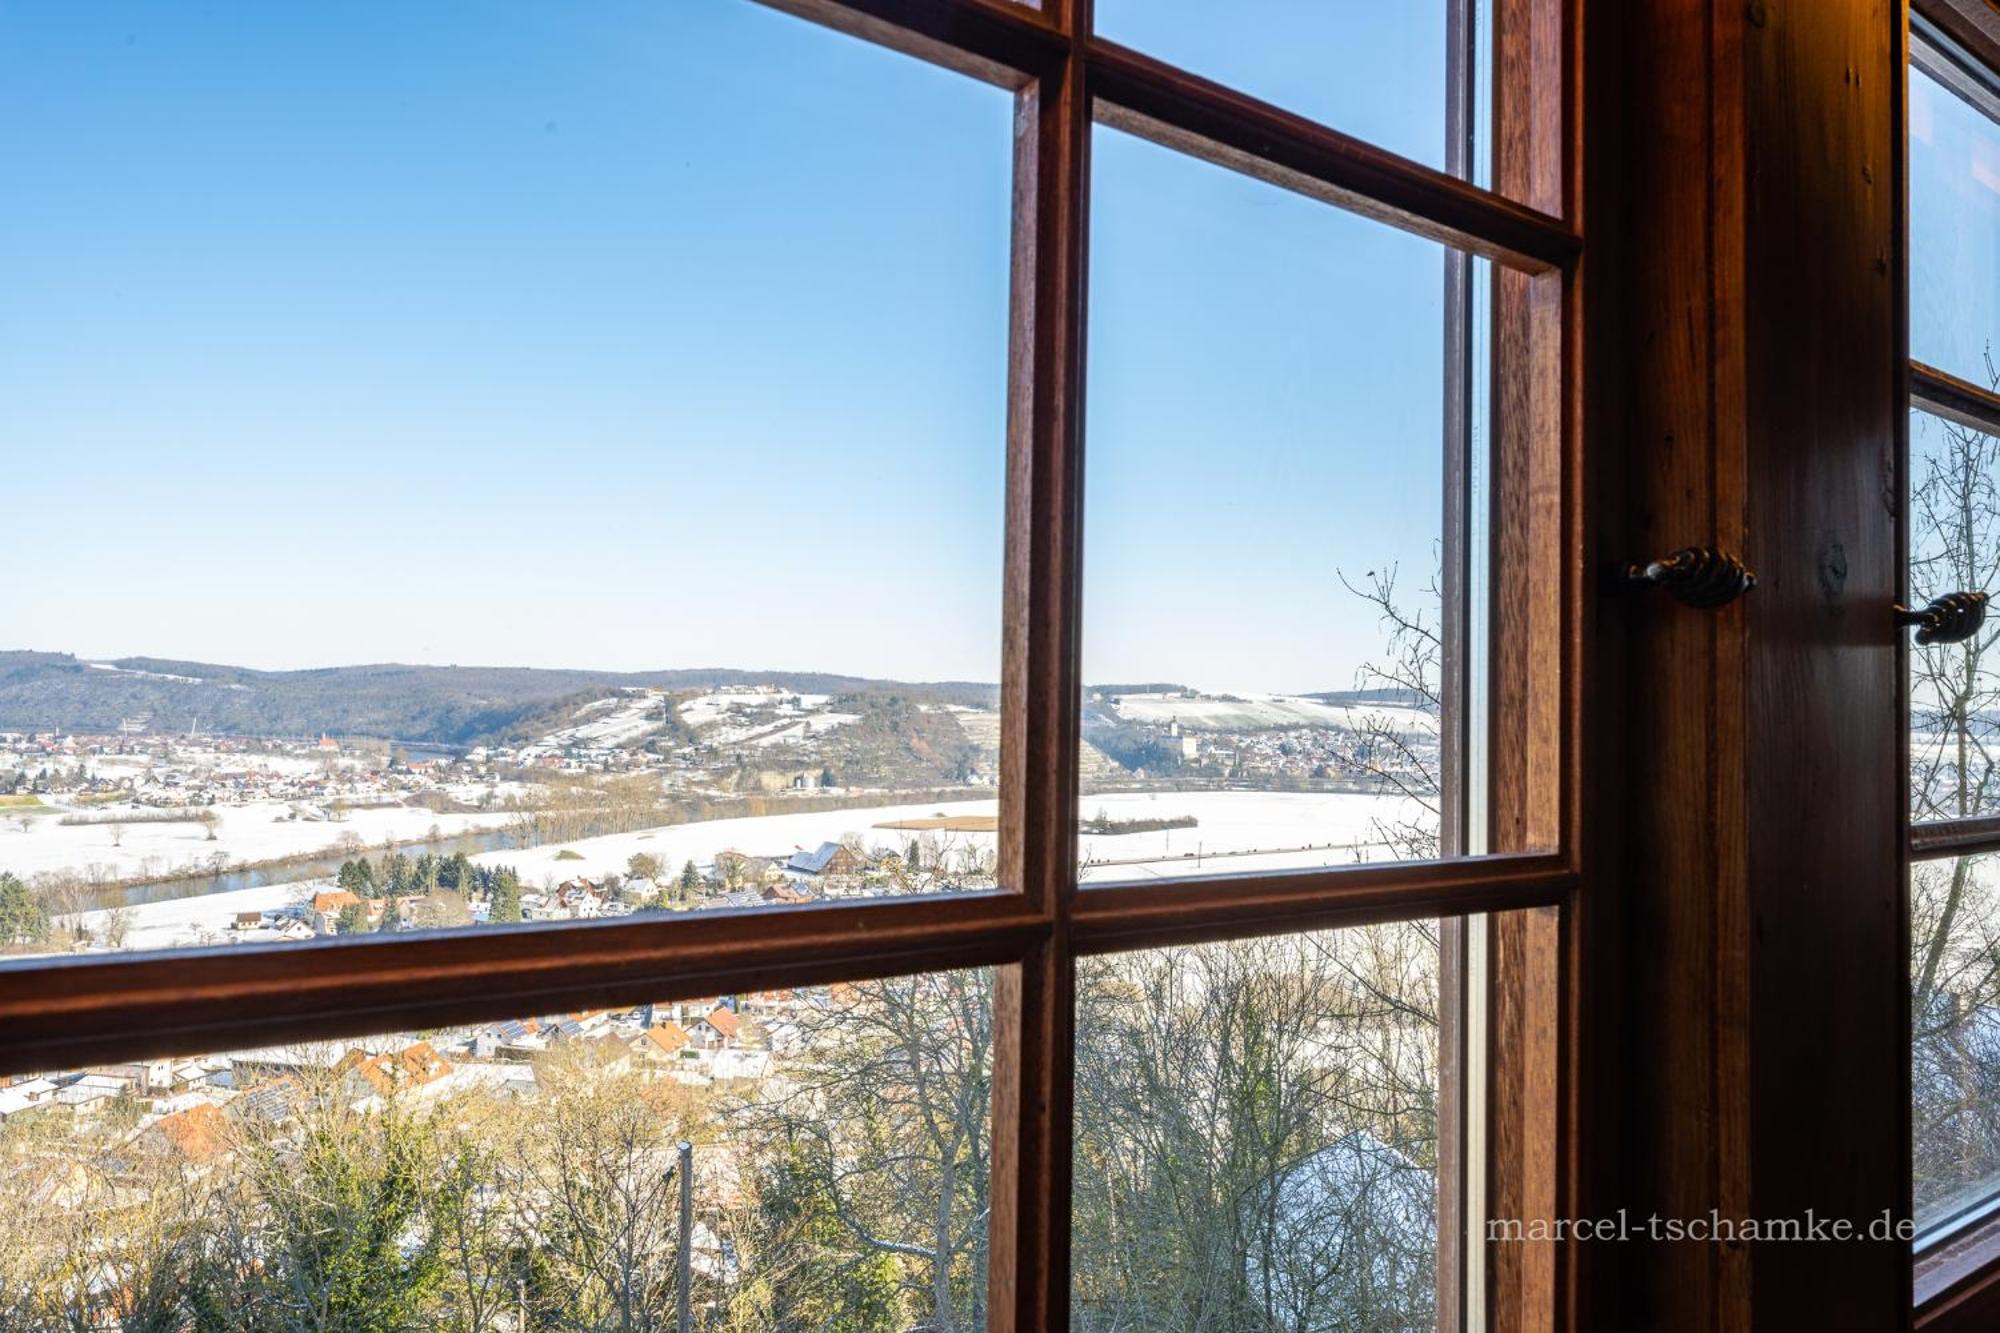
[1218, 124]
[1000, 42]
[1957, 1283]
[1194, 911]
[127, 1006]
[63, 1012]
[1944, 394]
[1028, 1232]
[1973, 24]
[1955, 837]
[1534, 602]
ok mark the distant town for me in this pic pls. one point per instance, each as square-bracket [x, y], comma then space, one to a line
[638, 800]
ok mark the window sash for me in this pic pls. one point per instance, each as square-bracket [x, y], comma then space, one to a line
[75, 1010]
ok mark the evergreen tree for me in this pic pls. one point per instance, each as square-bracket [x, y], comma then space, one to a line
[506, 897]
[23, 920]
[690, 881]
[353, 920]
[357, 877]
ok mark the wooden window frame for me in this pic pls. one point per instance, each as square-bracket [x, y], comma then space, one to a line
[1957, 1275]
[1065, 78]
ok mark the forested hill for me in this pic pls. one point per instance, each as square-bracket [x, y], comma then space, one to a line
[443, 705]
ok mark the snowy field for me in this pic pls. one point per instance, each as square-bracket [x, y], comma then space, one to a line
[1237, 832]
[184, 923]
[723, 716]
[618, 720]
[1255, 712]
[258, 831]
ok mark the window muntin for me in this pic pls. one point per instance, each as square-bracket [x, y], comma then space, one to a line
[545, 364]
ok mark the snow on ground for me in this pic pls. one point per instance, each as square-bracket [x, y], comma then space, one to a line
[1250, 712]
[723, 716]
[817, 724]
[766, 835]
[619, 720]
[149, 675]
[258, 831]
[1237, 832]
[182, 923]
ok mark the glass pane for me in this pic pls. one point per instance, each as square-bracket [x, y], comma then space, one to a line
[632, 375]
[1954, 231]
[1257, 1135]
[1955, 1059]
[1376, 72]
[1954, 537]
[523, 1175]
[1263, 563]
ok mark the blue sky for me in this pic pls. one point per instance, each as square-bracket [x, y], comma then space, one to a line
[662, 334]
[1954, 230]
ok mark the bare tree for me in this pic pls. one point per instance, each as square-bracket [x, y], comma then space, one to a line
[1256, 1137]
[884, 1105]
[597, 1208]
[1955, 908]
[1403, 761]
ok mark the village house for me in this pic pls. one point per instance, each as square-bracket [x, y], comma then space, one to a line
[89, 1096]
[665, 1042]
[830, 860]
[370, 1080]
[717, 1029]
[198, 1134]
[327, 907]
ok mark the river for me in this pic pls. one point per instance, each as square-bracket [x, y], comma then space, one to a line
[315, 867]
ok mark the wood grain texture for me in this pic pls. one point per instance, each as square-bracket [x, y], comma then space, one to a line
[994, 40]
[1973, 24]
[1194, 911]
[1957, 1287]
[1954, 837]
[1028, 1230]
[1821, 96]
[1946, 395]
[57, 1013]
[1747, 256]
[1662, 824]
[1533, 614]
